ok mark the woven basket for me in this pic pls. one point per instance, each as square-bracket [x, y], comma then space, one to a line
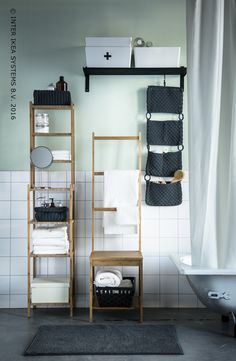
[51, 214]
[116, 296]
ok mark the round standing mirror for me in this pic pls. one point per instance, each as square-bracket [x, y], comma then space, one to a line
[41, 157]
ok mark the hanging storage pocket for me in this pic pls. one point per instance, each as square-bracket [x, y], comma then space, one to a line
[164, 99]
[163, 164]
[169, 194]
[168, 132]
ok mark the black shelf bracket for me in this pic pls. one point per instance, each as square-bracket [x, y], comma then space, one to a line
[182, 71]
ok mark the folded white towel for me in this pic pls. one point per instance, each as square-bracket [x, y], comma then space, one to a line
[55, 232]
[50, 250]
[121, 192]
[108, 278]
[61, 154]
[126, 283]
[53, 241]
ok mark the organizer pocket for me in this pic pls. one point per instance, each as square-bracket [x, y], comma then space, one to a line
[164, 99]
[163, 164]
[157, 194]
[168, 132]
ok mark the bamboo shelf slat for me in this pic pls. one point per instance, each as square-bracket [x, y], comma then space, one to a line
[52, 134]
[49, 255]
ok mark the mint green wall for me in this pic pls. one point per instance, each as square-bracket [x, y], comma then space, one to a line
[50, 42]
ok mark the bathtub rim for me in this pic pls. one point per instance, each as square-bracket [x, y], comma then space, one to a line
[186, 269]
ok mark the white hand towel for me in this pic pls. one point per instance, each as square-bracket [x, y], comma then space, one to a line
[121, 192]
[50, 250]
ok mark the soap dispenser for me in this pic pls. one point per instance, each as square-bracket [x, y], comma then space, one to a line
[61, 85]
[52, 203]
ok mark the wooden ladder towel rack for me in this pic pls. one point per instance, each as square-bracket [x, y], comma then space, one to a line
[115, 258]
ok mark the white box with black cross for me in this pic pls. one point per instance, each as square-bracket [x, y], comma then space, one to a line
[111, 52]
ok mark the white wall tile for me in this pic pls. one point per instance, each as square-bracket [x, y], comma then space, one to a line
[18, 266]
[19, 210]
[184, 228]
[4, 285]
[5, 176]
[183, 210]
[5, 228]
[5, 191]
[150, 228]
[5, 244]
[5, 210]
[4, 266]
[113, 243]
[80, 209]
[18, 285]
[167, 267]
[187, 301]
[20, 177]
[168, 228]
[18, 301]
[169, 300]
[151, 265]
[19, 247]
[168, 245]
[55, 177]
[149, 212]
[168, 212]
[80, 228]
[4, 301]
[150, 246]
[80, 265]
[185, 189]
[19, 191]
[151, 284]
[57, 266]
[169, 284]
[80, 246]
[80, 192]
[18, 228]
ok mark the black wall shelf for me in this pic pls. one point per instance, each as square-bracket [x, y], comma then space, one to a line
[182, 71]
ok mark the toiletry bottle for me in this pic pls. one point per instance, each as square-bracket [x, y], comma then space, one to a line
[52, 203]
[61, 84]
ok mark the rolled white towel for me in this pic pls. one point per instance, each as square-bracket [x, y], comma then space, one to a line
[108, 278]
[55, 232]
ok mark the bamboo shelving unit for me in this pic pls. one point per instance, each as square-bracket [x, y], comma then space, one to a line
[33, 190]
[115, 258]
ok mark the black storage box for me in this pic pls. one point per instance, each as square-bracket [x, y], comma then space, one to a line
[163, 195]
[51, 214]
[116, 296]
[52, 97]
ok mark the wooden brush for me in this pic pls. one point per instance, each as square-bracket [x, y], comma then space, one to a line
[178, 176]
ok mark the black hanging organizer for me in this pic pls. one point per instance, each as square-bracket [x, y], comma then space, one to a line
[169, 100]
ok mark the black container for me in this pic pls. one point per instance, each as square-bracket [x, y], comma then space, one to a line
[52, 97]
[51, 214]
[163, 164]
[116, 296]
[167, 132]
[159, 195]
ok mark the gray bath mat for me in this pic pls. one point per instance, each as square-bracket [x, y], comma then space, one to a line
[105, 340]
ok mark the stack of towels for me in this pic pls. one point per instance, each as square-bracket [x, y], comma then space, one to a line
[61, 155]
[50, 240]
[111, 278]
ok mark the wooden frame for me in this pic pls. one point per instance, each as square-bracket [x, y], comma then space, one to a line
[33, 189]
[115, 258]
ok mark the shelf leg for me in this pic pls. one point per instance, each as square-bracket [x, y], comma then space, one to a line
[91, 294]
[141, 291]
